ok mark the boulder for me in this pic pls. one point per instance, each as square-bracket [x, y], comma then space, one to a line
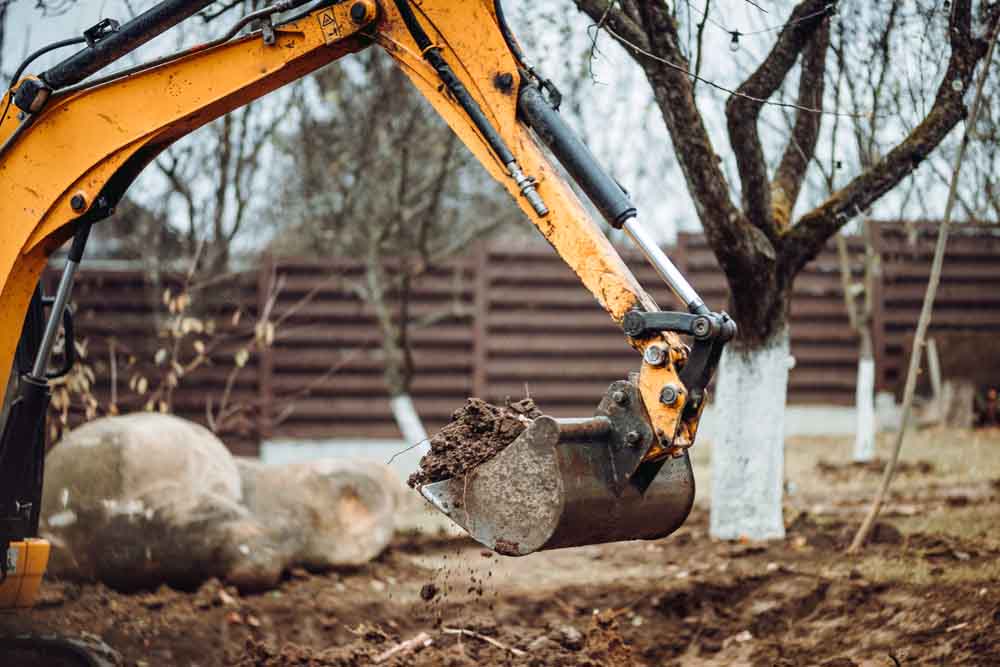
[140, 500]
[325, 513]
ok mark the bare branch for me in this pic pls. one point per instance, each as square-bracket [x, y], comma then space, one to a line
[801, 147]
[807, 238]
[742, 111]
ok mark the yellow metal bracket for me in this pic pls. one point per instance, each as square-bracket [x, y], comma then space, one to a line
[26, 563]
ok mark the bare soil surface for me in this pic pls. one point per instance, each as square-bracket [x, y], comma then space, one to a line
[924, 592]
[477, 432]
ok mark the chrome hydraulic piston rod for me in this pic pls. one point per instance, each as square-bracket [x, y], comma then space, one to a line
[607, 196]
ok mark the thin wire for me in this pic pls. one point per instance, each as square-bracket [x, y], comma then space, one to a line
[826, 9]
[708, 17]
[760, 100]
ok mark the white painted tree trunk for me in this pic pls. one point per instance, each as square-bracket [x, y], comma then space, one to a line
[748, 456]
[409, 422]
[864, 405]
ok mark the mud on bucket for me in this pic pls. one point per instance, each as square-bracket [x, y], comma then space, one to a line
[568, 482]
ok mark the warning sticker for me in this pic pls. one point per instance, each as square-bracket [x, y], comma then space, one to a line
[11, 560]
[328, 23]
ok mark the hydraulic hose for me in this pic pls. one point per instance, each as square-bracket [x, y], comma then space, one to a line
[127, 38]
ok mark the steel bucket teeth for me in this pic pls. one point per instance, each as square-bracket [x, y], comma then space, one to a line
[555, 486]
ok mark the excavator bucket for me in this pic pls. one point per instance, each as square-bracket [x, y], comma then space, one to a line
[571, 482]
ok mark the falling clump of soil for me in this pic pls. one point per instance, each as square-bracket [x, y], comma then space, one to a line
[478, 431]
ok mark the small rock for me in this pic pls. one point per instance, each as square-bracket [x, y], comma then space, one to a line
[428, 592]
[739, 638]
[226, 599]
[50, 597]
[298, 573]
[542, 643]
[885, 533]
[570, 638]
[154, 602]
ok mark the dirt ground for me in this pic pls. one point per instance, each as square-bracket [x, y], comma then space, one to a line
[925, 593]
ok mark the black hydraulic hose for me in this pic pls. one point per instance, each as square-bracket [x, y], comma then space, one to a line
[171, 57]
[126, 39]
[73, 41]
[574, 155]
[454, 84]
[508, 36]
[30, 59]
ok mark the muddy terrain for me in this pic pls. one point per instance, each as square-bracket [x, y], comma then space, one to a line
[923, 593]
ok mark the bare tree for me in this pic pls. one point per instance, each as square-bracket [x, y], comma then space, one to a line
[380, 178]
[760, 243]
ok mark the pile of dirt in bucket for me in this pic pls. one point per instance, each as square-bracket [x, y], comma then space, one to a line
[478, 431]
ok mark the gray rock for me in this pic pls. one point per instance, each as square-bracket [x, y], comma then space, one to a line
[326, 513]
[140, 500]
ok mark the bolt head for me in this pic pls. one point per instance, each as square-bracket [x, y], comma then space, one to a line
[78, 203]
[633, 438]
[669, 395]
[701, 327]
[359, 12]
[619, 397]
[655, 355]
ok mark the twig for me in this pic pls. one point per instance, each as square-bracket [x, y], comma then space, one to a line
[928, 306]
[489, 640]
[403, 451]
[422, 640]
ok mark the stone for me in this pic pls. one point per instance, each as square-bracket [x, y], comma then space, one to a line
[141, 500]
[329, 513]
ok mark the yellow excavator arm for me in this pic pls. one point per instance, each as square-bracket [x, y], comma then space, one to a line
[71, 143]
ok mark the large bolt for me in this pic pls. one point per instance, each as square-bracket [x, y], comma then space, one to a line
[359, 13]
[655, 355]
[78, 203]
[619, 397]
[633, 438]
[701, 327]
[669, 395]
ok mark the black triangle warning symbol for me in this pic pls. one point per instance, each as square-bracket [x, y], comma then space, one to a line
[328, 20]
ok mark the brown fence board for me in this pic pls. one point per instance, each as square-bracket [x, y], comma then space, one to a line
[524, 323]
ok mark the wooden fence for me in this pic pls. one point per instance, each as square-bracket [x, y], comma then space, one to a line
[509, 320]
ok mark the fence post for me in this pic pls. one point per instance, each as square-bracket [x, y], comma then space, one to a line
[265, 361]
[480, 319]
[680, 253]
[877, 324]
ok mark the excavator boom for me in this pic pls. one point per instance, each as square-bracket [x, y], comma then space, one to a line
[72, 140]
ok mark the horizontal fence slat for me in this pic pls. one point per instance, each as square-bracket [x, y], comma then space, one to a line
[542, 332]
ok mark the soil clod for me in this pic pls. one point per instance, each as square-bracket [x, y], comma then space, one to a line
[478, 431]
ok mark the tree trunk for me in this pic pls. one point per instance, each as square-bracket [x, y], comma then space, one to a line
[864, 402]
[748, 456]
[408, 421]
